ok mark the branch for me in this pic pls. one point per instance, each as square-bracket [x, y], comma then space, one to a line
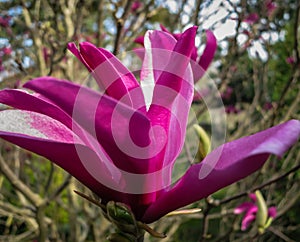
[242, 194]
[120, 24]
[35, 36]
[296, 26]
[34, 198]
[196, 13]
[99, 22]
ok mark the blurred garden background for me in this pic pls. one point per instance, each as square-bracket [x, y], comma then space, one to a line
[256, 70]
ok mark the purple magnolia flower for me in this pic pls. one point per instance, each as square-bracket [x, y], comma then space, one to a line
[122, 141]
[251, 209]
[199, 63]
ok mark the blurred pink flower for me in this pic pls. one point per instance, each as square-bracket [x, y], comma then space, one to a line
[136, 5]
[1, 66]
[268, 106]
[251, 18]
[46, 54]
[17, 84]
[227, 93]
[4, 21]
[231, 109]
[290, 60]
[271, 6]
[5, 51]
[250, 209]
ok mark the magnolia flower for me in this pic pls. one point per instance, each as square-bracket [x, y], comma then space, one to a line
[122, 141]
[202, 61]
[256, 210]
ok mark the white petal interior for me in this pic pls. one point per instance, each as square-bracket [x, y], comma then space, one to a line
[147, 82]
[17, 121]
[35, 125]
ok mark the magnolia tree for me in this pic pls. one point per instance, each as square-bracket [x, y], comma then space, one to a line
[170, 120]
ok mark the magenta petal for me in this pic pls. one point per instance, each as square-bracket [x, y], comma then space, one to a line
[176, 70]
[22, 100]
[139, 40]
[252, 210]
[111, 75]
[249, 217]
[118, 81]
[25, 101]
[123, 132]
[235, 160]
[37, 125]
[73, 48]
[208, 54]
[253, 197]
[247, 220]
[62, 93]
[66, 156]
[272, 211]
[158, 48]
[243, 207]
[173, 90]
[51, 139]
[163, 28]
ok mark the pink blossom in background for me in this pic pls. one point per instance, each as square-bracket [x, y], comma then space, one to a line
[271, 6]
[227, 93]
[251, 18]
[17, 84]
[121, 145]
[267, 106]
[250, 210]
[290, 60]
[5, 51]
[1, 66]
[46, 54]
[233, 68]
[4, 21]
[136, 5]
[231, 109]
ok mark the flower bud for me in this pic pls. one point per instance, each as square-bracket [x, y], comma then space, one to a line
[122, 217]
[262, 212]
[204, 142]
